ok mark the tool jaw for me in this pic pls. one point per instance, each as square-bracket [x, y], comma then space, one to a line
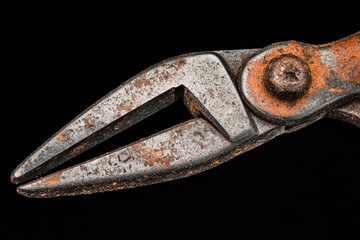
[240, 99]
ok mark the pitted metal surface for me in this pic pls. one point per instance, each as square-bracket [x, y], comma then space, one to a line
[203, 75]
[307, 83]
[335, 80]
[183, 150]
[188, 144]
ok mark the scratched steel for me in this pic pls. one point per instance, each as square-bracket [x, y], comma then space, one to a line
[204, 75]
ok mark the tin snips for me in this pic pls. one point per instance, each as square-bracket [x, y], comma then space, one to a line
[240, 99]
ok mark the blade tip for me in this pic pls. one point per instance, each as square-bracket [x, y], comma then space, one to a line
[45, 187]
[32, 191]
[16, 176]
[26, 191]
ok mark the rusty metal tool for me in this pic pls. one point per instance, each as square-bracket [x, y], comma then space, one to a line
[240, 99]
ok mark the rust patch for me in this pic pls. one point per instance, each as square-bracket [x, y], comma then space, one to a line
[336, 90]
[348, 58]
[78, 149]
[61, 137]
[171, 68]
[267, 102]
[122, 108]
[179, 63]
[142, 81]
[346, 53]
[152, 156]
[199, 134]
[52, 179]
[89, 124]
[194, 108]
[96, 171]
[163, 73]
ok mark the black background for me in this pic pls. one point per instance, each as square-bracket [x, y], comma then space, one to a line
[64, 59]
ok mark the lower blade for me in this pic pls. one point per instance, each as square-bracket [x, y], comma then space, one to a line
[183, 150]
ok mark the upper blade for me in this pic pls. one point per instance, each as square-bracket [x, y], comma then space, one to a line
[203, 74]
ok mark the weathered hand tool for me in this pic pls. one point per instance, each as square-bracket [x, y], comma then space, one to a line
[239, 99]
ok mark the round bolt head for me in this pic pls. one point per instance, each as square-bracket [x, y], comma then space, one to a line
[287, 77]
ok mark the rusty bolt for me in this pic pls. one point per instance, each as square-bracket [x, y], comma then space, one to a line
[287, 77]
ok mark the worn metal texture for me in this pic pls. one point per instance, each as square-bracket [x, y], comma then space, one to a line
[287, 77]
[349, 113]
[183, 150]
[188, 144]
[285, 86]
[235, 59]
[335, 80]
[203, 75]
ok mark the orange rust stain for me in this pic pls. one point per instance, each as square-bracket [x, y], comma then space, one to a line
[347, 61]
[197, 133]
[88, 124]
[335, 90]
[177, 63]
[194, 108]
[142, 81]
[52, 179]
[171, 68]
[180, 63]
[164, 73]
[61, 137]
[343, 43]
[78, 149]
[96, 171]
[126, 108]
[152, 156]
[263, 98]
[348, 58]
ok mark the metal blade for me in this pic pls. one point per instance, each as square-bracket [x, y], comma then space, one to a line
[203, 74]
[181, 151]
